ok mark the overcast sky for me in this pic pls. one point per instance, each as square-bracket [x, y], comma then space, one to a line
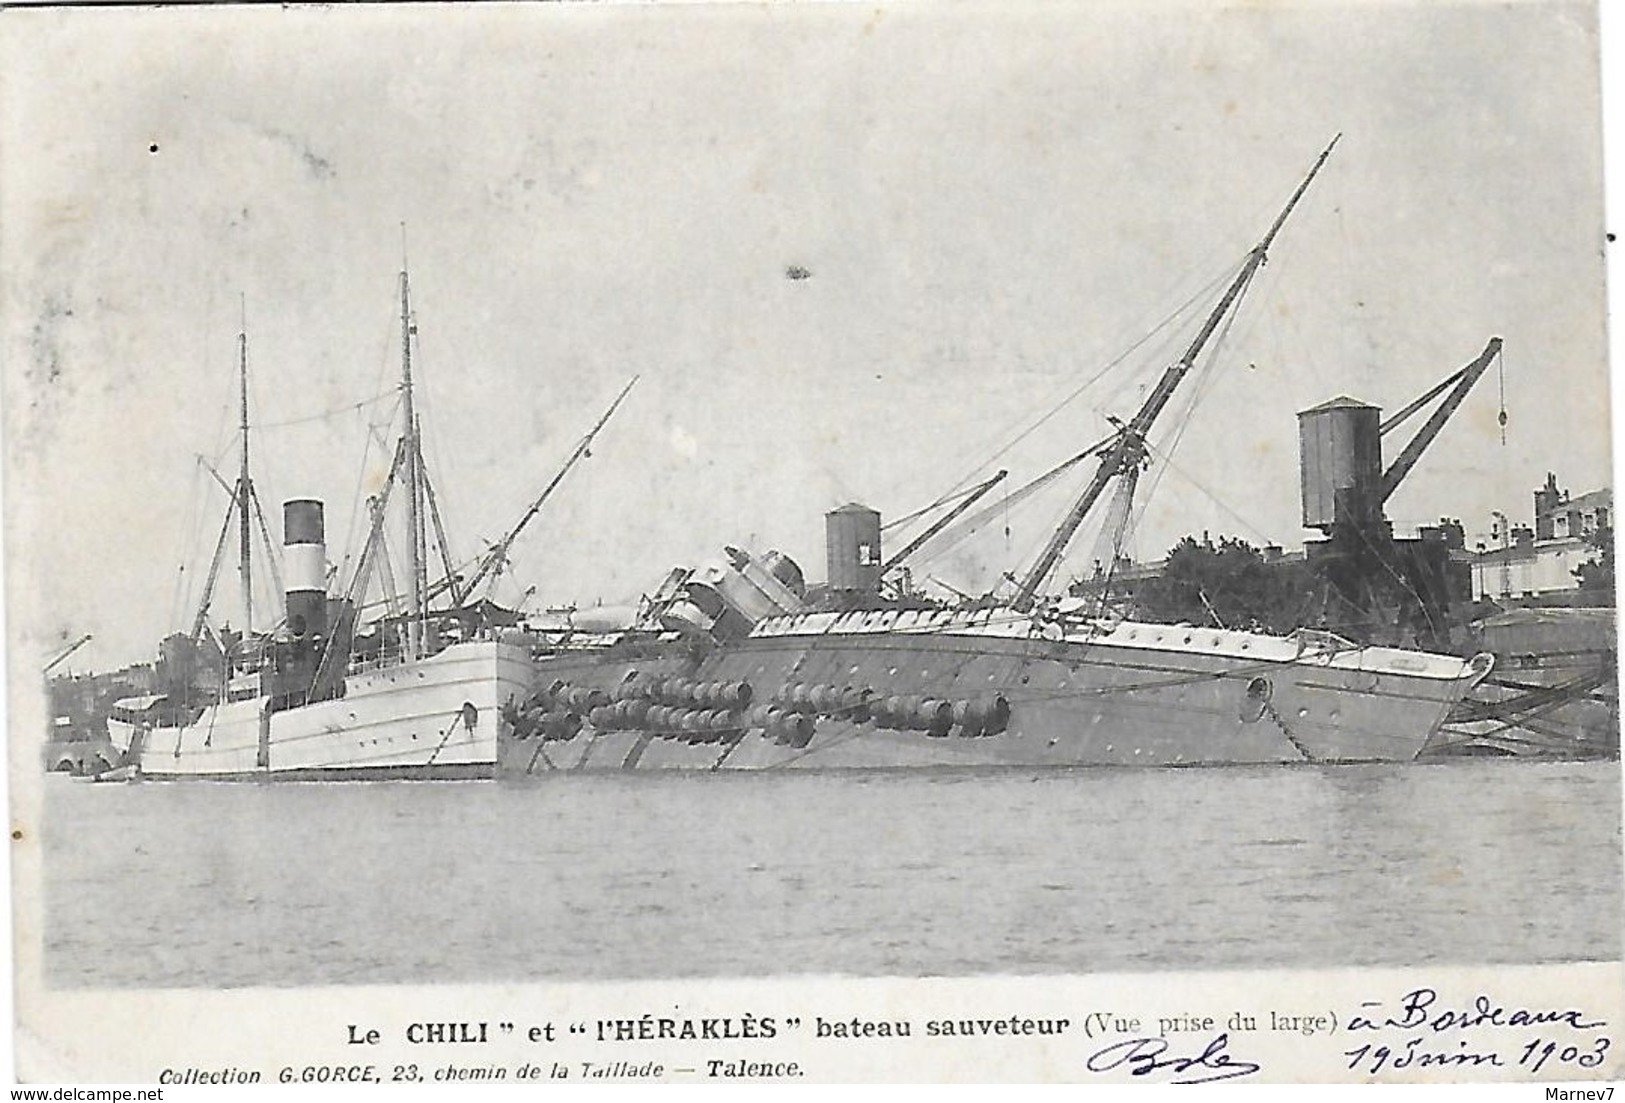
[992, 203]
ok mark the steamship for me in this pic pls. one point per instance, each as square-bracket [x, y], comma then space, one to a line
[417, 693]
[740, 665]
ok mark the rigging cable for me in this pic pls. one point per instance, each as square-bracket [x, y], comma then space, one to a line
[956, 533]
[1157, 329]
[371, 437]
[270, 554]
[1203, 383]
[428, 434]
[325, 414]
[1122, 518]
[921, 512]
[964, 528]
[385, 360]
[1167, 461]
[182, 598]
[1170, 337]
[1205, 380]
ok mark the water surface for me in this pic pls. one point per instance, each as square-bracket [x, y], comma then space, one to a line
[912, 873]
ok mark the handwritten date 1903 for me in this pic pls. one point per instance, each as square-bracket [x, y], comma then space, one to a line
[1149, 1057]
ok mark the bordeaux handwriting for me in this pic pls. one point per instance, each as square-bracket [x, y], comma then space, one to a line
[1417, 1011]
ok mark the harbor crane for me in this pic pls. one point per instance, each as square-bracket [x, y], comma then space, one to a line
[62, 656]
[1403, 587]
[1463, 382]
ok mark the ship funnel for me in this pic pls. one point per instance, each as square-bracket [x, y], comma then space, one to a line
[852, 543]
[304, 552]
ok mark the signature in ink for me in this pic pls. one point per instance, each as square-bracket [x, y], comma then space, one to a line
[1149, 1056]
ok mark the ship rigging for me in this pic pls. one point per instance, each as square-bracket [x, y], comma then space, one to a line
[1122, 456]
[419, 694]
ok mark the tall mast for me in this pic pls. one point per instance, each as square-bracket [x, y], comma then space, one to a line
[245, 566]
[1128, 448]
[494, 559]
[417, 571]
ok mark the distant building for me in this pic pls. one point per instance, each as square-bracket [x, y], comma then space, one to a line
[83, 700]
[1558, 517]
[1539, 563]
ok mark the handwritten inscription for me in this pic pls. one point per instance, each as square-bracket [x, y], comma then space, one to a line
[1150, 1057]
[1420, 1009]
[1422, 1030]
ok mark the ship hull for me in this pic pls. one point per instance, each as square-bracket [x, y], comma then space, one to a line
[1133, 695]
[434, 718]
[120, 735]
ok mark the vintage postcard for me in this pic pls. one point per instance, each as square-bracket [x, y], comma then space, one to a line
[779, 543]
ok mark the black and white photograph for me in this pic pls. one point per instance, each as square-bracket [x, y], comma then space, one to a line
[761, 542]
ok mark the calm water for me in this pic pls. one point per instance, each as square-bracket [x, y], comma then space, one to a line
[661, 875]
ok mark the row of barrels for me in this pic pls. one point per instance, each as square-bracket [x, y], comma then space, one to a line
[935, 716]
[676, 692]
[558, 713]
[720, 712]
[671, 692]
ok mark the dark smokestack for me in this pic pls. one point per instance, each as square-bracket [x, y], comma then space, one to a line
[304, 549]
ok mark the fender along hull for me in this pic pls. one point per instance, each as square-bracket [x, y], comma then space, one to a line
[1125, 695]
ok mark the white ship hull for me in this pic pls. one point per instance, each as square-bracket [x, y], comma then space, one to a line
[121, 735]
[1128, 695]
[436, 717]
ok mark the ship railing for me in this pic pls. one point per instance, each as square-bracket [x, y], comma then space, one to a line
[392, 656]
[1319, 642]
[361, 664]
